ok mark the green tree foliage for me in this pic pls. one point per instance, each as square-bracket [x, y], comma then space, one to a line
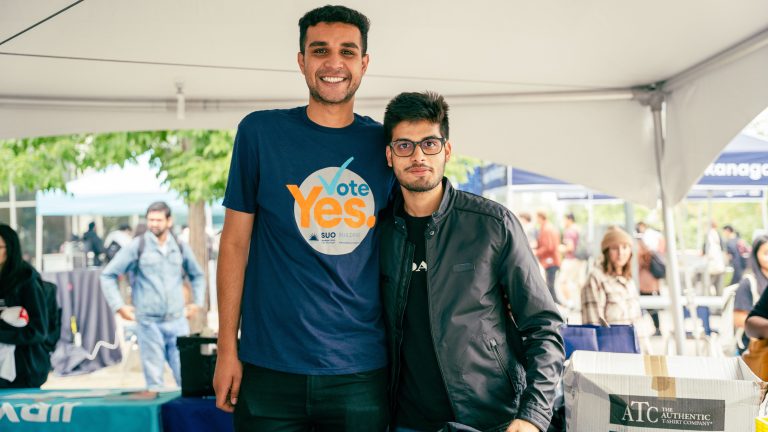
[195, 161]
[459, 168]
[39, 163]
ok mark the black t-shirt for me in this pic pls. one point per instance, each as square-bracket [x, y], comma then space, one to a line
[422, 401]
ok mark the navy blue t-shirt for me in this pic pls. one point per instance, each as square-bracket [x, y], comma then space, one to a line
[311, 294]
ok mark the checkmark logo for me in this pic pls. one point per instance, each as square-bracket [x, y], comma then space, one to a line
[330, 188]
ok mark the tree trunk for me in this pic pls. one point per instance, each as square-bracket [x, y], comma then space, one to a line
[198, 242]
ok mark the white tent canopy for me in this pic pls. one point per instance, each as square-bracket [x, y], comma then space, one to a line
[103, 66]
[552, 88]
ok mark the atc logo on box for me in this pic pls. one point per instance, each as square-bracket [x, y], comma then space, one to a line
[334, 209]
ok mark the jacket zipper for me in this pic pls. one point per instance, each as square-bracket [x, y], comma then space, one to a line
[495, 348]
[431, 332]
[406, 277]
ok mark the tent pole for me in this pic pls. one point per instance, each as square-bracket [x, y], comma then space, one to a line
[629, 225]
[12, 207]
[764, 208]
[39, 242]
[655, 100]
[510, 192]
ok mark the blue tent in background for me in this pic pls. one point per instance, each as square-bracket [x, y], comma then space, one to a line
[739, 172]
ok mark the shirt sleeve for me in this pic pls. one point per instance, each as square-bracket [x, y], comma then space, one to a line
[592, 302]
[538, 322]
[32, 298]
[761, 308]
[243, 181]
[124, 260]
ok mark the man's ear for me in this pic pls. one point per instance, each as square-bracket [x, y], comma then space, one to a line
[448, 151]
[389, 157]
[300, 61]
[366, 59]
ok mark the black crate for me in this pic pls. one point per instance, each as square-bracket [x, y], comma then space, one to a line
[198, 362]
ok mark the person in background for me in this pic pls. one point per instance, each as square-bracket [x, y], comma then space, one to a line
[610, 295]
[651, 237]
[756, 323]
[572, 269]
[121, 236]
[547, 251]
[529, 228]
[21, 339]
[713, 252]
[751, 287]
[159, 264]
[92, 243]
[732, 249]
[649, 285]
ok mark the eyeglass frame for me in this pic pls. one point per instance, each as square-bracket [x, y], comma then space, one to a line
[442, 140]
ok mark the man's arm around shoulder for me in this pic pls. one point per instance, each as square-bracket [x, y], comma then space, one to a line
[230, 275]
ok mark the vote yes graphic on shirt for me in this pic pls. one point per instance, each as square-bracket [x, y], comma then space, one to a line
[334, 209]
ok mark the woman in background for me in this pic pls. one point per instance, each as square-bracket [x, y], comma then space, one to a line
[22, 332]
[751, 288]
[610, 295]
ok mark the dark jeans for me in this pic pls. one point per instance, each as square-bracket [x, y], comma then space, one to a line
[282, 402]
[551, 273]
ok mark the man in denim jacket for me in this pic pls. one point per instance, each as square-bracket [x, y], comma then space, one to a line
[158, 263]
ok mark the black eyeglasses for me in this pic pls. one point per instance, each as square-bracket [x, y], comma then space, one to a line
[429, 146]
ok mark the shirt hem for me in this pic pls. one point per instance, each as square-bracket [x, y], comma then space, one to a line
[363, 367]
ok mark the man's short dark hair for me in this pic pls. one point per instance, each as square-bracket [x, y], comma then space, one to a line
[570, 217]
[159, 206]
[728, 228]
[124, 227]
[334, 14]
[412, 107]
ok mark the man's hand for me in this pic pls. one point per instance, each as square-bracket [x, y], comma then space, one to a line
[190, 310]
[522, 426]
[226, 381]
[127, 313]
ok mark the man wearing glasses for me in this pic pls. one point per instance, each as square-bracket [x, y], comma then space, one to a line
[472, 329]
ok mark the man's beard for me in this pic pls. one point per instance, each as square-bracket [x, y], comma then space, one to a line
[421, 187]
[314, 94]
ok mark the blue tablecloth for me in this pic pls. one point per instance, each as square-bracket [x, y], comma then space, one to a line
[195, 414]
[81, 410]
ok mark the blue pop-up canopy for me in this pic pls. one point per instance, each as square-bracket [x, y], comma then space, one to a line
[739, 172]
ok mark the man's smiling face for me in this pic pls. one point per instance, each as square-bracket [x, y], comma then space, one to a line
[333, 63]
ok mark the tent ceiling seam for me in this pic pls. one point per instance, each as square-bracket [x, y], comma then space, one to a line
[41, 22]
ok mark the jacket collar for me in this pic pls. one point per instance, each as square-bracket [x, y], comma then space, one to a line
[446, 203]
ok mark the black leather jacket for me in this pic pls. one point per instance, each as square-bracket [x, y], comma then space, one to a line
[495, 368]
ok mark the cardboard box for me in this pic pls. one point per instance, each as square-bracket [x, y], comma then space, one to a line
[611, 392]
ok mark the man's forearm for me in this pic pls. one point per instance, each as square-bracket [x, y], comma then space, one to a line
[230, 275]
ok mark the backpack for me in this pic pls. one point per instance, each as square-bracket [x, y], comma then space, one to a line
[53, 311]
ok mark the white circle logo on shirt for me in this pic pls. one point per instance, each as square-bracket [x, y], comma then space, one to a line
[334, 209]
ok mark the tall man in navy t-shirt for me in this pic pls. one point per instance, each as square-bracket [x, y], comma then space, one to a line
[298, 264]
